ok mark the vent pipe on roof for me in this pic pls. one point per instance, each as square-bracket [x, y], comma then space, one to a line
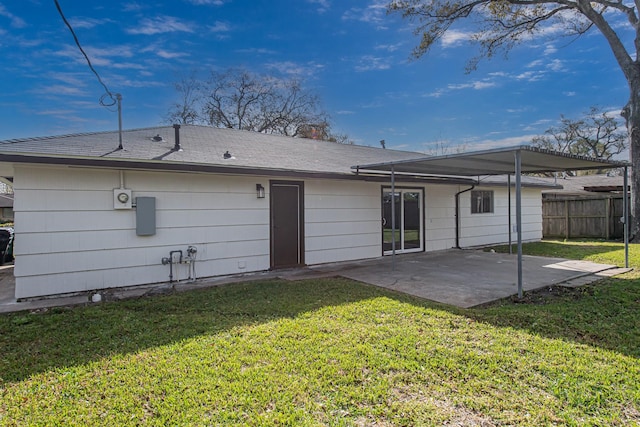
[177, 147]
[119, 100]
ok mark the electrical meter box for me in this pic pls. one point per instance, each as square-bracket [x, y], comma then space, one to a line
[145, 216]
[122, 198]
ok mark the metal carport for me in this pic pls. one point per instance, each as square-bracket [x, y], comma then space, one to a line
[503, 161]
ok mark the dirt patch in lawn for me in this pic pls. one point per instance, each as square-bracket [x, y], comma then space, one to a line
[550, 294]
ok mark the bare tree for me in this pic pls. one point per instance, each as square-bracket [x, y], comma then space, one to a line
[444, 147]
[503, 24]
[595, 135]
[186, 110]
[293, 109]
[238, 99]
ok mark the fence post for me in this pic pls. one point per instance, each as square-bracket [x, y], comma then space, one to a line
[607, 219]
[566, 220]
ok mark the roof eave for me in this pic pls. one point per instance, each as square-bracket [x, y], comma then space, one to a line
[168, 166]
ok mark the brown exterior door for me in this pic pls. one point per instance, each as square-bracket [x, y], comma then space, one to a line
[287, 220]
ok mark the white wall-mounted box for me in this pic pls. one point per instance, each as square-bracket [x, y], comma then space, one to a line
[122, 198]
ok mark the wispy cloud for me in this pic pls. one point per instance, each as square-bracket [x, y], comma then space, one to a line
[220, 27]
[54, 112]
[389, 47]
[105, 57]
[125, 51]
[323, 5]
[517, 110]
[535, 63]
[256, 51]
[374, 13]
[530, 76]
[538, 126]
[540, 69]
[134, 7]
[295, 69]
[477, 85]
[370, 62]
[73, 79]
[161, 24]
[474, 85]
[208, 2]
[15, 21]
[96, 55]
[87, 23]
[454, 38]
[27, 42]
[170, 55]
[556, 65]
[138, 83]
[59, 90]
[550, 49]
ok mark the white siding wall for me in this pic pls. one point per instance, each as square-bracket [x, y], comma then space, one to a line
[440, 220]
[70, 239]
[342, 221]
[491, 228]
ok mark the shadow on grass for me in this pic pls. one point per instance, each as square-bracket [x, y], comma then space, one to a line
[606, 315]
[31, 343]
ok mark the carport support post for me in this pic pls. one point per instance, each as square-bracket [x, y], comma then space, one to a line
[393, 219]
[509, 211]
[519, 217]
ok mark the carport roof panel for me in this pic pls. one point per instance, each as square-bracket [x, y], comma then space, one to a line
[494, 162]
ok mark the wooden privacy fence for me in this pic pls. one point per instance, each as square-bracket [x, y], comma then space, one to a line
[597, 217]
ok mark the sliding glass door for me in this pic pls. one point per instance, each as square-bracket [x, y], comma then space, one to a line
[409, 232]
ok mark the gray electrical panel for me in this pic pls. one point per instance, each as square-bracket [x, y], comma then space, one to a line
[145, 216]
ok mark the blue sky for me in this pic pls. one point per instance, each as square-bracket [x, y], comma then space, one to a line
[353, 55]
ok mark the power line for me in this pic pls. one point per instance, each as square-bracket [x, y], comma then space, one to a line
[73, 33]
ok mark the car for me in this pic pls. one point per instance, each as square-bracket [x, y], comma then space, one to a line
[6, 244]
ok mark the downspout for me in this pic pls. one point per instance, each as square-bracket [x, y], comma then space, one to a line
[457, 196]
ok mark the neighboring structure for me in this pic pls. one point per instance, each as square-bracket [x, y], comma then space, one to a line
[583, 185]
[6, 207]
[586, 206]
[176, 202]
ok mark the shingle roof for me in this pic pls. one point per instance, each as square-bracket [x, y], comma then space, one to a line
[207, 145]
[204, 148]
[577, 184]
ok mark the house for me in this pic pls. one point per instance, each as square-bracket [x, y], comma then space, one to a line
[592, 185]
[6, 207]
[183, 202]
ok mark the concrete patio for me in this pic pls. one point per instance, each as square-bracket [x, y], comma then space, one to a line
[462, 278]
[467, 278]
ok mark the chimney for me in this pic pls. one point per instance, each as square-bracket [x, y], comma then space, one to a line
[177, 146]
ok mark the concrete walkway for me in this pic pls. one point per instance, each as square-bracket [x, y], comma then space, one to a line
[462, 278]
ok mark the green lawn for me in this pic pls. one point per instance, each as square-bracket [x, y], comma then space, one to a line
[331, 352]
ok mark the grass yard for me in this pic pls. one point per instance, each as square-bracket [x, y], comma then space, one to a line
[332, 352]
